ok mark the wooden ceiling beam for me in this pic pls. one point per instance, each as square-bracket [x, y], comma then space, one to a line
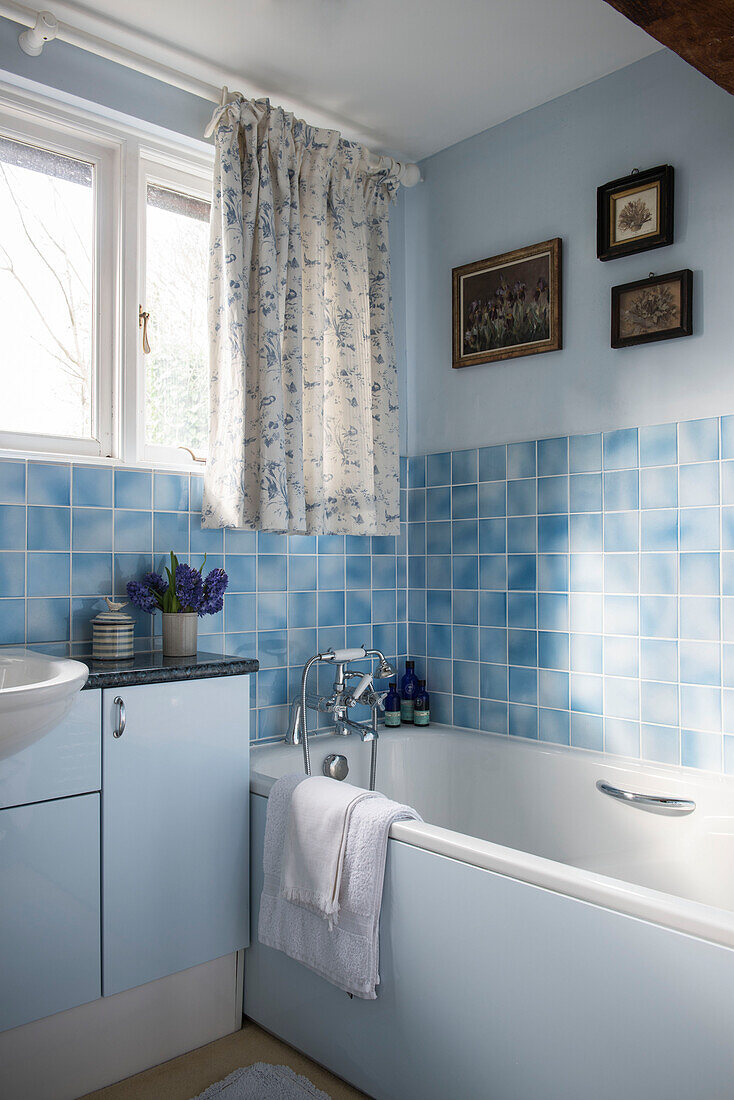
[699, 31]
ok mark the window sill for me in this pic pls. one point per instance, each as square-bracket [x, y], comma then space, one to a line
[63, 458]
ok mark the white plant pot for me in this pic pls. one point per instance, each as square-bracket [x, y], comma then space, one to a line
[179, 634]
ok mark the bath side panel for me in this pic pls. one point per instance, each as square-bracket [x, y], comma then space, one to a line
[496, 988]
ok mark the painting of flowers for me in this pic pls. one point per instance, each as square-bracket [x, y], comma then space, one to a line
[508, 305]
[635, 213]
[658, 308]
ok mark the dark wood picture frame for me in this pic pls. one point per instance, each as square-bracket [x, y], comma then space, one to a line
[683, 310]
[510, 282]
[659, 180]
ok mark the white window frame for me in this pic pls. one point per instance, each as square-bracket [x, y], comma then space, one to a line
[32, 127]
[126, 155]
[164, 170]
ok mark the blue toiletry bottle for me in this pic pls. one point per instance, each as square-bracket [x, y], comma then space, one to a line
[392, 706]
[422, 706]
[408, 692]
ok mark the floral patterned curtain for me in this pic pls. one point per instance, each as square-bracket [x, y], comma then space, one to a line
[304, 416]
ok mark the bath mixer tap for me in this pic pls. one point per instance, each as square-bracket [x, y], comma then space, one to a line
[341, 700]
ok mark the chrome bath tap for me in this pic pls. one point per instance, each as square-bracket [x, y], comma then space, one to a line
[341, 699]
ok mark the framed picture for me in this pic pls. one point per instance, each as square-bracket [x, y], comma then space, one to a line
[508, 305]
[635, 213]
[658, 308]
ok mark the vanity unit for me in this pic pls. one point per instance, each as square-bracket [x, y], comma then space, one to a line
[124, 852]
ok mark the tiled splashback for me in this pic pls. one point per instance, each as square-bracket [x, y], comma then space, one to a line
[578, 590]
[581, 590]
[70, 534]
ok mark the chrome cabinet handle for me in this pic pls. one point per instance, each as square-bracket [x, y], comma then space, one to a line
[674, 805]
[122, 719]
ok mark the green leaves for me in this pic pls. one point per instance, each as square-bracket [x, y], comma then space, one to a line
[170, 604]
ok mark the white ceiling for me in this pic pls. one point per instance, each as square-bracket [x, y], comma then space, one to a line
[408, 76]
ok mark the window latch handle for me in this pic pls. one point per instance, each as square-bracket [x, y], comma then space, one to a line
[143, 324]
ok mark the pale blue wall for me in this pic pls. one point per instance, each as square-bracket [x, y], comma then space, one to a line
[535, 177]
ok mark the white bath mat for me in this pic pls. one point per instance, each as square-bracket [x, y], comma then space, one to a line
[263, 1082]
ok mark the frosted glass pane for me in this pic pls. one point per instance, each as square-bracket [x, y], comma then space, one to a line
[176, 370]
[46, 292]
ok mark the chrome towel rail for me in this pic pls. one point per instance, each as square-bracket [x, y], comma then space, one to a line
[657, 802]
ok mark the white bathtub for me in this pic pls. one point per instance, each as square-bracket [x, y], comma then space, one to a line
[539, 938]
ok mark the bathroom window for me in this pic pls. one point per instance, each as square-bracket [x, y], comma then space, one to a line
[176, 369]
[54, 309]
[101, 221]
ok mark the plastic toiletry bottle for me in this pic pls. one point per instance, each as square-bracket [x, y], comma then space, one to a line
[392, 706]
[422, 706]
[408, 690]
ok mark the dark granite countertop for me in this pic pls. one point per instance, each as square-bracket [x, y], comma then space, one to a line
[153, 668]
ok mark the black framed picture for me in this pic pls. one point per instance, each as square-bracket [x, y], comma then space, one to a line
[657, 308]
[635, 213]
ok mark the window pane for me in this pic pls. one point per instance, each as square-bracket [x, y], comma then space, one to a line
[46, 292]
[176, 370]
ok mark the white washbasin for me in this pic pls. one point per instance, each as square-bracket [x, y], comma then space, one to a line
[36, 693]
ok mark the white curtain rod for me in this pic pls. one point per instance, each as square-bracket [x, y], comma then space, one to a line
[175, 75]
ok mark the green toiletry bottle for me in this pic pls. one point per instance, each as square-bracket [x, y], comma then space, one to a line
[408, 690]
[422, 706]
[392, 706]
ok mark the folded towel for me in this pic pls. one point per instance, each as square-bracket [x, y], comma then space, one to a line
[346, 955]
[318, 822]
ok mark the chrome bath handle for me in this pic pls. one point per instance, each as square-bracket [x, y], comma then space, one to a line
[122, 717]
[658, 802]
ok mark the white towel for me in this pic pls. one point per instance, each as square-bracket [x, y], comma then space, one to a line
[348, 954]
[318, 821]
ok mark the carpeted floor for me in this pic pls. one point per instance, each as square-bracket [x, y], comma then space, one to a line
[185, 1077]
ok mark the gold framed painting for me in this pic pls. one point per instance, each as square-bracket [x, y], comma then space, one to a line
[635, 213]
[508, 305]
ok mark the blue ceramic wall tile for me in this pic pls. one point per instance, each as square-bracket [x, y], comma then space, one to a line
[133, 489]
[493, 463]
[438, 469]
[12, 482]
[13, 527]
[12, 575]
[302, 571]
[521, 460]
[552, 456]
[92, 486]
[48, 528]
[585, 532]
[12, 622]
[585, 493]
[584, 453]
[698, 440]
[272, 572]
[659, 487]
[91, 574]
[464, 467]
[438, 504]
[465, 536]
[521, 497]
[699, 574]
[521, 535]
[659, 445]
[553, 494]
[620, 449]
[49, 484]
[417, 472]
[48, 574]
[48, 619]
[170, 492]
[133, 531]
[699, 484]
[171, 532]
[621, 490]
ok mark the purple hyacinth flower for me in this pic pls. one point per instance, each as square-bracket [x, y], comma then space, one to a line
[189, 587]
[215, 584]
[142, 597]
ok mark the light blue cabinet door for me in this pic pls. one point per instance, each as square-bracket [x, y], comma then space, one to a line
[49, 908]
[175, 827]
[66, 761]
